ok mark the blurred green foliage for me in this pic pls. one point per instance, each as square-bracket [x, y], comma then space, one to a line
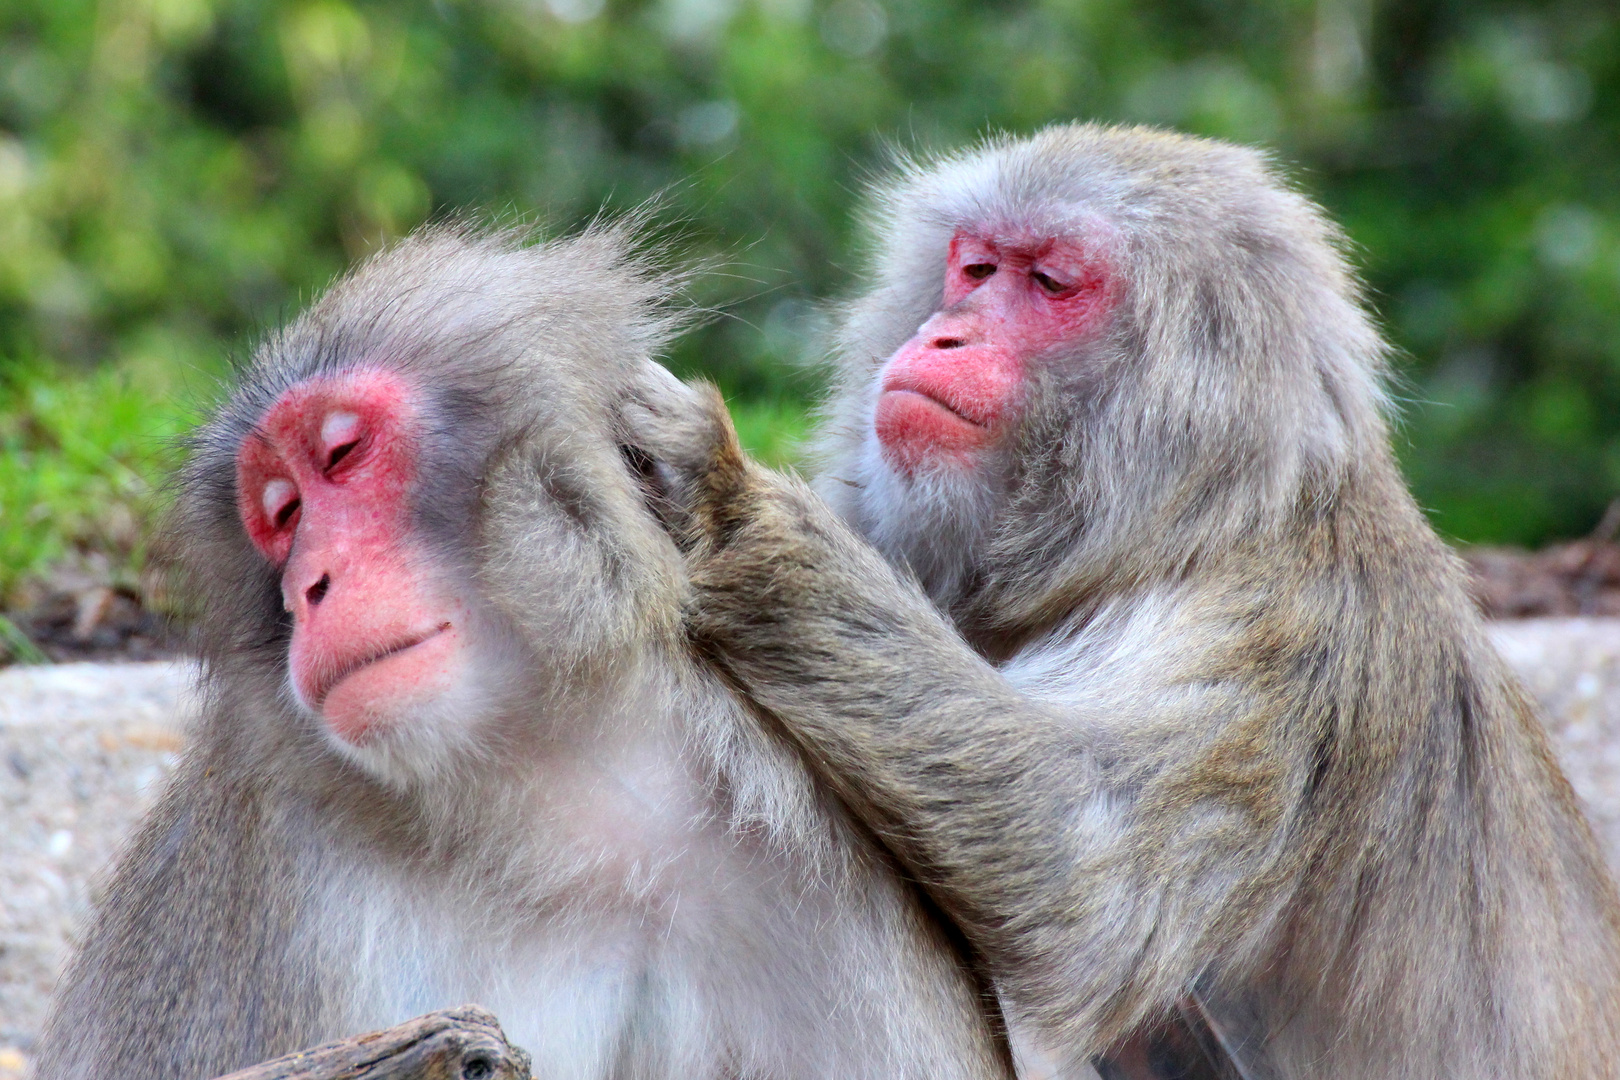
[177, 173]
[81, 463]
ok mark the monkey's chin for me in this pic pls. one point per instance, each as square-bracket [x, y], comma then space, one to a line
[410, 722]
[375, 695]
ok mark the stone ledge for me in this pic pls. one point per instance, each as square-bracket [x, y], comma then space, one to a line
[1572, 666]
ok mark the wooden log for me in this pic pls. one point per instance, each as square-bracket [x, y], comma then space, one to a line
[464, 1043]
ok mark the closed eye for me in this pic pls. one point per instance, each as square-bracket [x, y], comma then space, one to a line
[340, 452]
[1051, 284]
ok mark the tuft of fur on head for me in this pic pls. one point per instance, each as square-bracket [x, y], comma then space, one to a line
[526, 348]
[1239, 377]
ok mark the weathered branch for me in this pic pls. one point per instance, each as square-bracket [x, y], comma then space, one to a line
[464, 1043]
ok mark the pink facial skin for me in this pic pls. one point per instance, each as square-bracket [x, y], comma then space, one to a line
[323, 490]
[953, 389]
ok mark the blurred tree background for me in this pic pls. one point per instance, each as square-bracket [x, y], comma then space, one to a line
[177, 174]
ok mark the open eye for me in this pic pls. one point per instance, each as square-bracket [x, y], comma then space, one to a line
[979, 271]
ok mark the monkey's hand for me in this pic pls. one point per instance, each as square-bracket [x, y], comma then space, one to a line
[695, 474]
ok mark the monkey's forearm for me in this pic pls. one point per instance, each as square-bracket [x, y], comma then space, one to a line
[863, 671]
[827, 635]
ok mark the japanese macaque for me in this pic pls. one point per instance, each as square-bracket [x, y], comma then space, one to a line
[1166, 690]
[456, 746]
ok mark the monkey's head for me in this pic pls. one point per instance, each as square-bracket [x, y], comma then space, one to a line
[1113, 347]
[415, 507]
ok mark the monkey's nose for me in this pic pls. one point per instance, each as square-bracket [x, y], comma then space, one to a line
[301, 601]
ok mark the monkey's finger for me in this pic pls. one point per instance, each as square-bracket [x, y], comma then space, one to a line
[657, 388]
[669, 449]
[684, 426]
[676, 444]
[666, 418]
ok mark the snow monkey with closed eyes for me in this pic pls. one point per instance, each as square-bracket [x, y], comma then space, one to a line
[1119, 624]
[455, 746]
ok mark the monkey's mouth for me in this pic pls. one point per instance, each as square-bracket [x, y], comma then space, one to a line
[916, 427]
[907, 392]
[330, 679]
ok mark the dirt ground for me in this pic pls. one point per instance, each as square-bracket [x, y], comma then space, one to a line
[1577, 578]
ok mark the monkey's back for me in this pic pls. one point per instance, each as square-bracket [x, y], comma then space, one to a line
[1437, 856]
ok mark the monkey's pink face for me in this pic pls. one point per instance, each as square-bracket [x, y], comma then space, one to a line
[324, 490]
[954, 389]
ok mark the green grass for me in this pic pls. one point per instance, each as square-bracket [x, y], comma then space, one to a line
[82, 457]
[772, 431]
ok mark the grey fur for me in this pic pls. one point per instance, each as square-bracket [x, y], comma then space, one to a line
[1232, 723]
[616, 858]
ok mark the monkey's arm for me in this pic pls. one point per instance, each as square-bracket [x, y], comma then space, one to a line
[1086, 880]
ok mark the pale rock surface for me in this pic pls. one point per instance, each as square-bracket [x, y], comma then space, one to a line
[1572, 666]
[84, 748]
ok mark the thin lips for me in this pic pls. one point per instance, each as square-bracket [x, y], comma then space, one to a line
[327, 684]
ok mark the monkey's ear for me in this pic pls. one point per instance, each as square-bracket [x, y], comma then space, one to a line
[694, 466]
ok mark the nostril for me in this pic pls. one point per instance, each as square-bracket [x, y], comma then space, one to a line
[948, 343]
[317, 592]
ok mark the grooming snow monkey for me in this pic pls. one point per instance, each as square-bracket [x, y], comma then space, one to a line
[1166, 688]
